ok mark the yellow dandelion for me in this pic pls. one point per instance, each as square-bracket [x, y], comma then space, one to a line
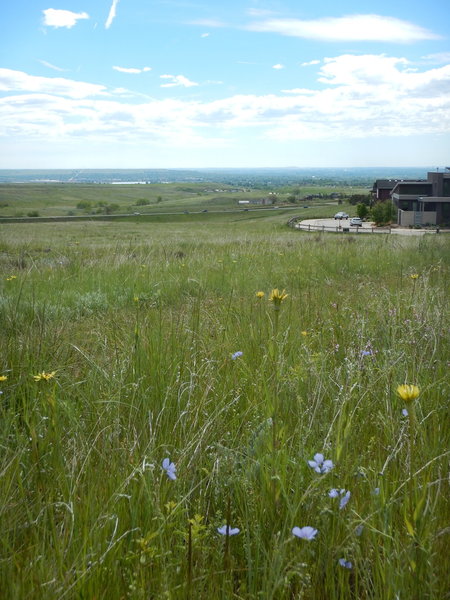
[260, 295]
[3, 377]
[277, 297]
[44, 376]
[408, 392]
[414, 275]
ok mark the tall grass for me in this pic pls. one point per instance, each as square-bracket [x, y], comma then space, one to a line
[141, 330]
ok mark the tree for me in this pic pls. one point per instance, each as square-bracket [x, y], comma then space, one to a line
[383, 213]
[362, 210]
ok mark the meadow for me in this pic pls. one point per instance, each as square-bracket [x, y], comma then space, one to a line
[173, 427]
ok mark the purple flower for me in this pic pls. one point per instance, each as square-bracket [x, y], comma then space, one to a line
[345, 563]
[405, 412]
[359, 529]
[319, 464]
[344, 494]
[169, 468]
[236, 355]
[305, 533]
[366, 353]
[227, 530]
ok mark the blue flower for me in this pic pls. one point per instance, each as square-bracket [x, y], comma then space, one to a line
[227, 530]
[345, 496]
[169, 468]
[319, 464]
[345, 563]
[305, 533]
[405, 412]
[236, 355]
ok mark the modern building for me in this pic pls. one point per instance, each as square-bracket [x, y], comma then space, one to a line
[419, 202]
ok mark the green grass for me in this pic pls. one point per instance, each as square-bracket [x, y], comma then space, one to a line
[139, 321]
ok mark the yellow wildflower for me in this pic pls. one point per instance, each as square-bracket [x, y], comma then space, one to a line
[136, 299]
[414, 276]
[277, 297]
[408, 392]
[44, 376]
[11, 277]
[3, 377]
[305, 333]
[260, 295]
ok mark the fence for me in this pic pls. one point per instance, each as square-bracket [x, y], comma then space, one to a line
[339, 228]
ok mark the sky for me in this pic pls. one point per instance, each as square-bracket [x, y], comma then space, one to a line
[235, 83]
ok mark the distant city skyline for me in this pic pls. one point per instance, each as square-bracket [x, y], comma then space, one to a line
[184, 84]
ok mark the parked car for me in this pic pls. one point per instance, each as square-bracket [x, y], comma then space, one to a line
[356, 222]
[341, 215]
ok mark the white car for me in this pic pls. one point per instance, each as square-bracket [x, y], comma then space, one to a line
[356, 222]
[341, 215]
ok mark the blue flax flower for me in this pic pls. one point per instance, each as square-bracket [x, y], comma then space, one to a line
[305, 533]
[227, 530]
[319, 464]
[169, 468]
[345, 563]
[236, 355]
[344, 494]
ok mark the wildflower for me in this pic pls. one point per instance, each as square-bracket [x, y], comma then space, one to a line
[277, 297]
[11, 277]
[358, 530]
[44, 376]
[414, 275]
[319, 464]
[345, 496]
[407, 392]
[304, 333]
[3, 377]
[169, 468]
[227, 530]
[260, 295]
[135, 298]
[305, 533]
[345, 563]
[366, 353]
[236, 355]
[405, 412]
[376, 491]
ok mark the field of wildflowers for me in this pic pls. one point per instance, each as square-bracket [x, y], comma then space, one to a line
[238, 412]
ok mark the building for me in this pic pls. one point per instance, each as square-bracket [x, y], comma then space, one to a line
[419, 202]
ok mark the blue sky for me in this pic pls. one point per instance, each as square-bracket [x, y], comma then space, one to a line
[250, 83]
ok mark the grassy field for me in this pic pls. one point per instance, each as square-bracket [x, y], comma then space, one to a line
[20, 200]
[127, 343]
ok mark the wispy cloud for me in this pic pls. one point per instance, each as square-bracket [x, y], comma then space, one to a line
[205, 35]
[177, 81]
[112, 14]
[50, 66]
[438, 58]
[351, 28]
[62, 18]
[309, 63]
[278, 67]
[368, 96]
[132, 70]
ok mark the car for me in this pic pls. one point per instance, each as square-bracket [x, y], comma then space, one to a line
[341, 215]
[356, 222]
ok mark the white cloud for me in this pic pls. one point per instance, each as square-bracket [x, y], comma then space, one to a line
[310, 63]
[177, 81]
[367, 97]
[278, 67]
[347, 29]
[132, 70]
[438, 58]
[112, 14]
[18, 81]
[205, 35]
[62, 18]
